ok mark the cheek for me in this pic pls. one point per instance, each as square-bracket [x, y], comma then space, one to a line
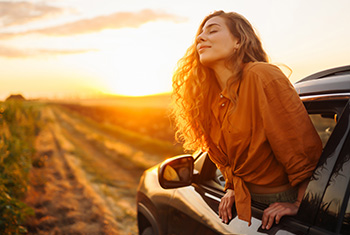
[226, 51]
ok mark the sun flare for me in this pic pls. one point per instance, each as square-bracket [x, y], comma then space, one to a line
[138, 63]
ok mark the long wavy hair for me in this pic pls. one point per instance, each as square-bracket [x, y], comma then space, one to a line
[192, 81]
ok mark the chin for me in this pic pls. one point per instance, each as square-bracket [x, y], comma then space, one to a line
[206, 61]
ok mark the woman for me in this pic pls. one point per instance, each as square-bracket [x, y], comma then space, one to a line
[245, 113]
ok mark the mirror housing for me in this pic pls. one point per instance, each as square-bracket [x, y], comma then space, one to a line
[176, 172]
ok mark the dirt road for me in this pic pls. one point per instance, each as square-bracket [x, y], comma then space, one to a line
[85, 180]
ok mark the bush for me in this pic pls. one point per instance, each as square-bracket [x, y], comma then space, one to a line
[19, 124]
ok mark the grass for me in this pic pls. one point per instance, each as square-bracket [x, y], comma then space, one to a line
[19, 125]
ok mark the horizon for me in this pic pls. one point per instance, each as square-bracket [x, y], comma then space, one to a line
[162, 100]
[92, 97]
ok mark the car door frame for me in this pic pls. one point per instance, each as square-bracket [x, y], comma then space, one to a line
[331, 155]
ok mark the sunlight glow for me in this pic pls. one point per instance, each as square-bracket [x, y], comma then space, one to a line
[137, 62]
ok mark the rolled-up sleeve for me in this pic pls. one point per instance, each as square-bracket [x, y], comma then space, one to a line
[289, 130]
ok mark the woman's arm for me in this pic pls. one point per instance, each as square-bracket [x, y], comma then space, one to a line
[279, 209]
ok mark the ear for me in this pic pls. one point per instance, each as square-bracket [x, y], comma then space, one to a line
[237, 44]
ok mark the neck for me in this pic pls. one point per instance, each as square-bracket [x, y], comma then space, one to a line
[223, 74]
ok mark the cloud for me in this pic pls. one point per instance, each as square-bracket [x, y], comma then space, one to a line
[9, 52]
[117, 20]
[18, 13]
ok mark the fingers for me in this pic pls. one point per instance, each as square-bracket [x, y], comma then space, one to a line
[275, 212]
[225, 207]
[268, 218]
[223, 211]
[272, 213]
[229, 212]
[277, 219]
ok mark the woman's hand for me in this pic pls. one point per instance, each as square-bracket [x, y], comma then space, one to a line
[225, 206]
[275, 212]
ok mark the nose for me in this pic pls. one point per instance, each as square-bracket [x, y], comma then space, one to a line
[201, 37]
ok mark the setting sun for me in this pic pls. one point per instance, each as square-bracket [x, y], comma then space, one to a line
[137, 63]
[132, 62]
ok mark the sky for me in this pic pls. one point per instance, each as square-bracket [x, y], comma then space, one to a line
[89, 48]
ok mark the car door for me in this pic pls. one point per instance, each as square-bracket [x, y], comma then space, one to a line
[188, 210]
[326, 206]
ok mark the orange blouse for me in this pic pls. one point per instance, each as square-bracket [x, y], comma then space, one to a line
[268, 140]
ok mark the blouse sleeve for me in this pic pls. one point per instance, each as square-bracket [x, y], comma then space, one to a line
[289, 130]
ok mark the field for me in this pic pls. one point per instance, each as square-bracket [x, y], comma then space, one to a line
[86, 163]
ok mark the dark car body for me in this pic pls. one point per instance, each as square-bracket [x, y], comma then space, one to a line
[182, 194]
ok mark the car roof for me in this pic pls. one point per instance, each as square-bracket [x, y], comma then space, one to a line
[331, 81]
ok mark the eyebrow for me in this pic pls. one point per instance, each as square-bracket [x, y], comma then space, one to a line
[211, 25]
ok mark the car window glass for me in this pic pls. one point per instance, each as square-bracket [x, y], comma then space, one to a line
[324, 125]
[324, 114]
[199, 161]
[219, 178]
[213, 174]
[336, 197]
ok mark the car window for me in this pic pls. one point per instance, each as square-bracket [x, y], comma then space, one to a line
[219, 178]
[211, 175]
[324, 115]
[326, 200]
[324, 124]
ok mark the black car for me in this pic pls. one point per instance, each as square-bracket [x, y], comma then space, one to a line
[182, 194]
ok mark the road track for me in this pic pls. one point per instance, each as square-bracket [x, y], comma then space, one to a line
[88, 181]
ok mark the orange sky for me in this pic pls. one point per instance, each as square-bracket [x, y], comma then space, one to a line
[87, 48]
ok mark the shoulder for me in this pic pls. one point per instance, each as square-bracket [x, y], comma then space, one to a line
[262, 72]
[259, 67]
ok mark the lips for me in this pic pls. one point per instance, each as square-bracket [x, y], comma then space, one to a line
[202, 47]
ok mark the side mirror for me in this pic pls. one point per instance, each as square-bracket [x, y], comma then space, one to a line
[176, 172]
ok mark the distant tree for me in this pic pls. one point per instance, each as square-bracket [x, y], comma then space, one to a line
[15, 97]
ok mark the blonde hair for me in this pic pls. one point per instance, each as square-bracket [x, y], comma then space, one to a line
[192, 81]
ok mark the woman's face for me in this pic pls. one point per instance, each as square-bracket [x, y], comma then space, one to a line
[215, 43]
